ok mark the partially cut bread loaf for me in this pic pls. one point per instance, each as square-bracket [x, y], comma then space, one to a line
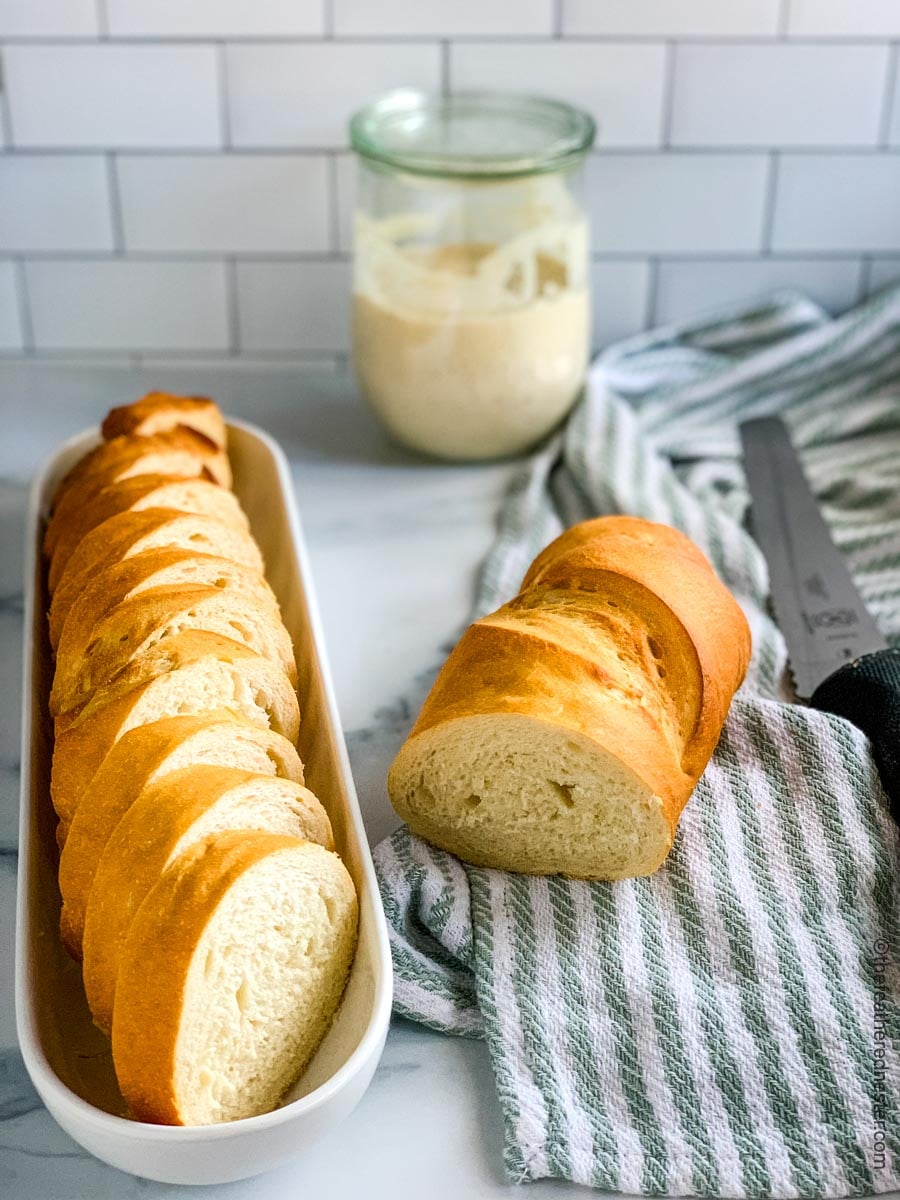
[166, 819]
[83, 509]
[130, 577]
[191, 673]
[174, 452]
[136, 625]
[142, 757]
[158, 412]
[131, 533]
[567, 730]
[230, 977]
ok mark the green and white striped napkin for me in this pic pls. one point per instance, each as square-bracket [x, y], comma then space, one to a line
[727, 1027]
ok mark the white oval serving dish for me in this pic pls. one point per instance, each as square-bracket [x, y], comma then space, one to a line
[68, 1060]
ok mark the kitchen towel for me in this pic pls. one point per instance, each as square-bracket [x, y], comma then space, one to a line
[729, 1025]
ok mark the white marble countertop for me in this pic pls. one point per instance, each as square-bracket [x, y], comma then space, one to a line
[396, 543]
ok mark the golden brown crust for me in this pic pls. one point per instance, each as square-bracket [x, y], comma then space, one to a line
[125, 771]
[92, 658]
[159, 411]
[119, 581]
[623, 633]
[115, 540]
[83, 742]
[173, 452]
[156, 959]
[140, 849]
[84, 507]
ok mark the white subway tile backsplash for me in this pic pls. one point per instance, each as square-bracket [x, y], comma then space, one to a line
[54, 202]
[671, 18]
[621, 85]
[778, 95]
[238, 204]
[112, 95]
[10, 324]
[48, 18]
[127, 305]
[303, 95]
[686, 289]
[215, 18]
[293, 306]
[147, 152]
[676, 203]
[828, 202]
[882, 273]
[619, 299]
[843, 18]
[391, 18]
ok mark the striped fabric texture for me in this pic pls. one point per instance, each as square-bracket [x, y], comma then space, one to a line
[728, 1026]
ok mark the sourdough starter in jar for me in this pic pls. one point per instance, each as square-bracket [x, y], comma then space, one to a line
[471, 312]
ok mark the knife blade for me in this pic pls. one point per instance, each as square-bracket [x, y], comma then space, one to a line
[840, 661]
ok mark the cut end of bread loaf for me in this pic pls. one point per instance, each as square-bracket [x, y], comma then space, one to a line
[158, 412]
[517, 794]
[230, 1002]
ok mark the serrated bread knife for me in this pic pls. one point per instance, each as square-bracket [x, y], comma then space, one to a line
[840, 662]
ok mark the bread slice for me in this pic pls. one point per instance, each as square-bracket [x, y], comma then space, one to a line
[230, 977]
[120, 581]
[191, 673]
[83, 508]
[566, 731]
[175, 452]
[158, 412]
[166, 819]
[131, 533]
[140, 758]
[136, 625]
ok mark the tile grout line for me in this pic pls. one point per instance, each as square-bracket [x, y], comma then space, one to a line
[117, 216]
[6, 122]
[887, 104]
[223, 95]
[770, 199]
[445, 67]
[23, 299]
[668, 94]
[102, 19]
[853, 150]
[557, 18]
[652, 291]
[332, 199]
[327, 19]
[781, 26]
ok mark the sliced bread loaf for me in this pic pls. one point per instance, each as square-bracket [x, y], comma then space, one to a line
[230, 977]
[167, 818]
[174, 452]
[159, 411]
[567, 730]
[140, 758]
[131, 533]
[120, 581]
[136, 625]
[83, 508]
[191, 673]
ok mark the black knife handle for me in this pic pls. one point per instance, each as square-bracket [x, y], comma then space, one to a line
[867, 692]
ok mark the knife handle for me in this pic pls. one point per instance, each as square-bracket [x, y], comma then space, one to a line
[867, 692]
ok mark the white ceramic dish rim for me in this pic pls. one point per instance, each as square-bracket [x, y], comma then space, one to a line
[42, 1074]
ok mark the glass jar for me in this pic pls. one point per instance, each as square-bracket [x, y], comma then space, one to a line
[471, 306]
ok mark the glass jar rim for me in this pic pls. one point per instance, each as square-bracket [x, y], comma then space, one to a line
[471, 135]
